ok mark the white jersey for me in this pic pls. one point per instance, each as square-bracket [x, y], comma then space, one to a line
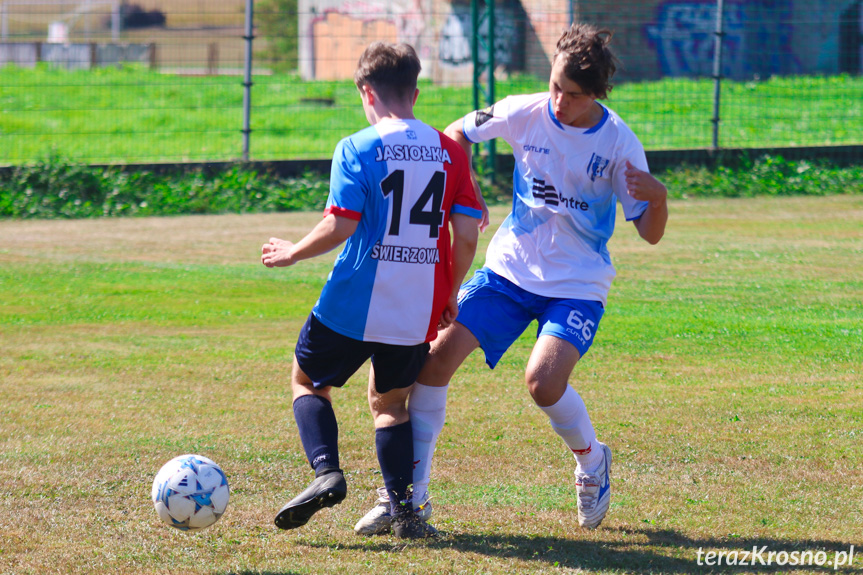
[566, 184]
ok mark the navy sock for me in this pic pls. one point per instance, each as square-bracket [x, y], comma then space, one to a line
[395, 447]
[319, 432]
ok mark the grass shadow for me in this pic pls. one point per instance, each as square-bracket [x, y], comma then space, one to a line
[654, 550]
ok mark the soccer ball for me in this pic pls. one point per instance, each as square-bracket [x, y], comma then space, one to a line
[190, 492]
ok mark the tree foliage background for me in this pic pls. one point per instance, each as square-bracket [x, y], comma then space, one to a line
[276, 22]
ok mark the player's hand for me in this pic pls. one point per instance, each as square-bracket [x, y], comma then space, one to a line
[449, 314]
[643, 186]
[484, 220]
[277, 253]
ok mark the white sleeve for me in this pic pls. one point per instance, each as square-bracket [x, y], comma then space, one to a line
[487, 124]
[634, 152]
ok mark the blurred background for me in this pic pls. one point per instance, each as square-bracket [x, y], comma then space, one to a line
[150, 81]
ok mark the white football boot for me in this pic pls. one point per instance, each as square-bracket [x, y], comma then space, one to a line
[594, 492]
[379, 519]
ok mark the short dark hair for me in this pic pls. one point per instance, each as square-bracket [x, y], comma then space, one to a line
[391, 69]
[589, 62]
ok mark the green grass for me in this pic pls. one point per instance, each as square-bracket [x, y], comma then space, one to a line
[134, 115]
[726, 377]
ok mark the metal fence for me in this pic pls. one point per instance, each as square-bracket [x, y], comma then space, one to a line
[114, 81]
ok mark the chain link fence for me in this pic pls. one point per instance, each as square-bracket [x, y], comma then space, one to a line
[150, 81]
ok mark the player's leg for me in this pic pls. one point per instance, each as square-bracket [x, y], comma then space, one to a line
[566, 331]
[547, 376]
[394, 444]
[394, 369]
[378, 519]
[493, 313]
[316, 421]
[323, 359]
[427, 411]
[427, 403]
[318, 429]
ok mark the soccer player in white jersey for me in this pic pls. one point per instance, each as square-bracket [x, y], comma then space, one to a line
[575, 159]
[395, 190]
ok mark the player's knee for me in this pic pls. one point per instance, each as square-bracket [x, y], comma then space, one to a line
[437, 369]
[543, 390]
[390, 415]
[534, 383]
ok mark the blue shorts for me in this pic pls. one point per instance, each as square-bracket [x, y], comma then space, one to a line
[496, 311]
[330, 358]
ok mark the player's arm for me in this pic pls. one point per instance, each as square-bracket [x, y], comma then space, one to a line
[328, 234]
[464, 239]
[455, 132]
[643, 186]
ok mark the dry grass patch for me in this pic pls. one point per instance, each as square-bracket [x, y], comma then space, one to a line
[726, 378]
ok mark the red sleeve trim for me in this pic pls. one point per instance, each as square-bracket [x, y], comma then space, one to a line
[342, 212]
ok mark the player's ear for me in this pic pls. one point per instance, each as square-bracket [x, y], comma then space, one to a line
[367, 94]
[416, 95]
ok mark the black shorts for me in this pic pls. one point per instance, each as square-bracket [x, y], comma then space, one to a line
[330, 358]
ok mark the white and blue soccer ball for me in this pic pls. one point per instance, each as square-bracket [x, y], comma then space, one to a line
[190, 492]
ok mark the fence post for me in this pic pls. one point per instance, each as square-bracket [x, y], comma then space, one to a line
[152, 56]
[488, 92]
[212, 59]
[116, 22]
[247, 80]
[717, 70]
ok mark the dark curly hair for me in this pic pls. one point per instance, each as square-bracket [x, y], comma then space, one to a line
[588, 61]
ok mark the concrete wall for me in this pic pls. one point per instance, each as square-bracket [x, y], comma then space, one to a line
[333, 33]
[851, 39]
[546, 21]
[762, 37]
[454, 61]
[653, 38]
[75, 56]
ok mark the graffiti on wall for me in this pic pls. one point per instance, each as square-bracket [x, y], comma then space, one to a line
[756, 41]
[683, 37]
[454, 48]
[406, 15]
[341, 34]
[851, 39]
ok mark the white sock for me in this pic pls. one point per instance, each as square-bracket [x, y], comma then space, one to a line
[570, 421]
[427, 409]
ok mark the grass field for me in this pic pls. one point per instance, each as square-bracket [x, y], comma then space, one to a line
[134, 115]
[726, 377]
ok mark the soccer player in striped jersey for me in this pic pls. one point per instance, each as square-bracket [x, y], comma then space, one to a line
[396, 189]
[575, 160]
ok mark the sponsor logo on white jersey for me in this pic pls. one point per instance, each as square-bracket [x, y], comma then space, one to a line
[546, 192]
[549, 195]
